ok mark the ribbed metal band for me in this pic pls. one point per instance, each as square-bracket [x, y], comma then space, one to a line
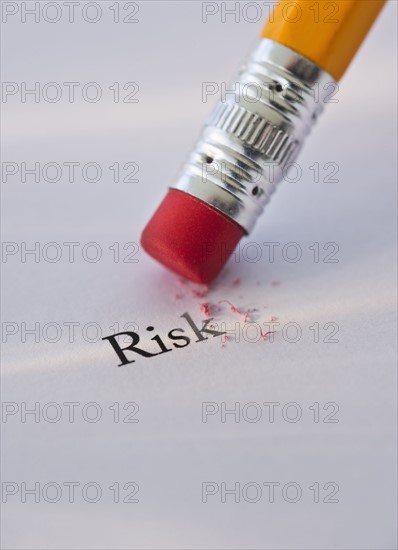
[255, 131]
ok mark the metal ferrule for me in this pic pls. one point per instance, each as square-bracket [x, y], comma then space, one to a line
[257, 128]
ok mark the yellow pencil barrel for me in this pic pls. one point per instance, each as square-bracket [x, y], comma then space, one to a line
[329, 33]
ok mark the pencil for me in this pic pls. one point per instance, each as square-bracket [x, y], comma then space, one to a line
[249, 139]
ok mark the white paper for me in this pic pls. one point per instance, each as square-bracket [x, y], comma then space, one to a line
[171, 452]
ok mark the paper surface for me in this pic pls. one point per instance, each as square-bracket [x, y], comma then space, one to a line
[332, 392]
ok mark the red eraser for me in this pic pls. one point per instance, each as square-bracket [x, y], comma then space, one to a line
[190, 237]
